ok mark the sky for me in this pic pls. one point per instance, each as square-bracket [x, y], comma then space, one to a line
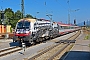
[59, 9]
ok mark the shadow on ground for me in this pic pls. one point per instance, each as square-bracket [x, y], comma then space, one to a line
[76, 55]
[14, 44]
[18, 44]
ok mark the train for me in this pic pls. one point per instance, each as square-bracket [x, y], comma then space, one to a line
[37, 30]
[67, 28]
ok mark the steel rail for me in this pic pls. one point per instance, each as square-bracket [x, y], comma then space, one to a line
[51, 58]
[59, 51]
[9, 51]
[5, 49]
[39, 54]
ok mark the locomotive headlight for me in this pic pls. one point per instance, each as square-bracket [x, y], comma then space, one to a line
[17, 32]
[27, 31]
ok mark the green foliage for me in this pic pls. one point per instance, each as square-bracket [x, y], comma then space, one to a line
[89, 45]
[13, 23]
[87, 37]
[29, 16]
[9, 14]
[11, 17]
[17, 14]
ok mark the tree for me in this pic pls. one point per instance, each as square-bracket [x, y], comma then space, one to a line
[9, 14]
[29, 16]
[11, 17]
[9, 10]
[18, 14]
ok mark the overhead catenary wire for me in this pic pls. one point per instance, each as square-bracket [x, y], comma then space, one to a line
[47, 10]
[65, 9]
[60, 4]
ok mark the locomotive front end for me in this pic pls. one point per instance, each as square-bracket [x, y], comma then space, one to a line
[22, 31]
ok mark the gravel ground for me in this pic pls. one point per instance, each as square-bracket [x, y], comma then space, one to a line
[4, 43]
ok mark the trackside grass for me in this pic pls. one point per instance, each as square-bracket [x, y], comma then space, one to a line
[87, 37]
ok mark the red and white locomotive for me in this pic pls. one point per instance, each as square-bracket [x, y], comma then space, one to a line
[35, 30]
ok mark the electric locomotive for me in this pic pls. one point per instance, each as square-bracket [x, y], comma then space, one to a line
[35, 30]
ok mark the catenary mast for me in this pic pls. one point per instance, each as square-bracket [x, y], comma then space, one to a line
[68, 12]
[22, 8]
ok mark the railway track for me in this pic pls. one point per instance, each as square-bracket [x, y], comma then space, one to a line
[9, 50]
[52, 52]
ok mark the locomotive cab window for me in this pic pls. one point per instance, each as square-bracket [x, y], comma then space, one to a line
[23, 24]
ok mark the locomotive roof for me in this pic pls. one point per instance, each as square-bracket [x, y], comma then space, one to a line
[62, 24]
[27, 19]
[32, 20]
